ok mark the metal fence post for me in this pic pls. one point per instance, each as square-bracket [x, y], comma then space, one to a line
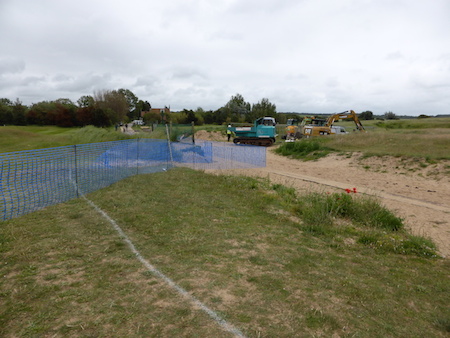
[76, 171]
[137, 156]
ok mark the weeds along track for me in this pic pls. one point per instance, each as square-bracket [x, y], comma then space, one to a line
[366, 191]
[423, 202]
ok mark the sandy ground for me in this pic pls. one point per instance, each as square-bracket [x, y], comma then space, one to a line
[416, 191]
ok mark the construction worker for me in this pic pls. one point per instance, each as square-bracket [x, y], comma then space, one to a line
[229, 132]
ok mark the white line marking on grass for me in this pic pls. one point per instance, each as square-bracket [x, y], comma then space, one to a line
[219, 320]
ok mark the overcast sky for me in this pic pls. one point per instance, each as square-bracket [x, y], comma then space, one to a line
[315, 56]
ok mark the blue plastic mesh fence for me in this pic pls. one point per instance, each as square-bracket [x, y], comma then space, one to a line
[32, 180]
[218, 155]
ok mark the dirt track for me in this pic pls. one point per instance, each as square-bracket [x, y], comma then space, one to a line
[419, 194]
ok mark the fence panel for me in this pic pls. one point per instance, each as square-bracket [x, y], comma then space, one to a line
[218, 155]
[32, 180]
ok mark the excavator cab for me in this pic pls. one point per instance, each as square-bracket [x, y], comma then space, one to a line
[267, 121]
[318, 122]
[292, 130]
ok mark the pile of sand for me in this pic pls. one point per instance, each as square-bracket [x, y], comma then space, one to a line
[210, 135]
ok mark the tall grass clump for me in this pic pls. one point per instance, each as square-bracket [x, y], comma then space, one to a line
[305, 149]
[373, 225]
[321, 209]
[368, 211]
[318, 210]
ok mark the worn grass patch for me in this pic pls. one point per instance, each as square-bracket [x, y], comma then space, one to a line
[231, 242]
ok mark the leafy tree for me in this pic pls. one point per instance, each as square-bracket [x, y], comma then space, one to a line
[191, 117]
[65, 115]
[366, 115]
[185, 117]
[237, 108]
[61, 112]
[92, 116]
[199, 114]
[19, 113]
[152, 117]
[146, 106]
[86, 101]
[390, 116]
[102, 117]
[209, 117]
[41, 113]
[65, 102]
[141, 106]
[262, 108]
[6, 111]
[6, 102]
[132, 101]
[200, 119]
[113, 104]
[220, 116]
[84, 116]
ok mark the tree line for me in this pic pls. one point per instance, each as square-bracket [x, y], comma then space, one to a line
[104, 108]
[109, 107]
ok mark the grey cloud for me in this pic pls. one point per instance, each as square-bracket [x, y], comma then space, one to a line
[11, 65]
[395, 56]
[83, 83]
[188, 73]
[303, 55]
[31, 81]
[266, 6]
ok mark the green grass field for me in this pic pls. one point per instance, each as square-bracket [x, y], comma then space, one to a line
[17, 138]
[424, 138]
[271, 263]
[420, 138]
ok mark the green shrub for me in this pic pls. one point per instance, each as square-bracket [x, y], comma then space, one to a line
[369, 212]
[305, 149]
[320, 208]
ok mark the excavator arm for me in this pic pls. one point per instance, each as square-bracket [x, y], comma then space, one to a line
[348, 114]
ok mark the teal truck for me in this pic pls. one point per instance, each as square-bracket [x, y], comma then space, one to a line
[262, 133]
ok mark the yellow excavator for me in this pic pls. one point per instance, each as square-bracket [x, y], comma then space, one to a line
[318, 127]
[294, 127]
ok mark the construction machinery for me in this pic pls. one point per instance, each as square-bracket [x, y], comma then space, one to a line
[318, 127]
[294, 127]
[262, 133]
[292, 130]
